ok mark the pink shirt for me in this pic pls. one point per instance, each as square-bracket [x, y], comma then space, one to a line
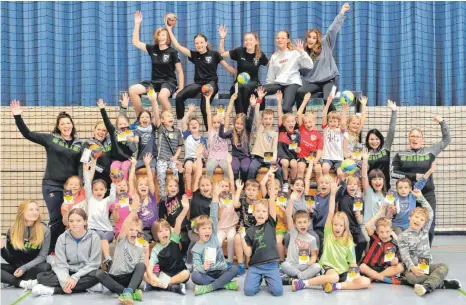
[123, 213]
[218, 147]
[229, 218]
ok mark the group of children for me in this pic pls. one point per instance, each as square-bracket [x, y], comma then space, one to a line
[351, 233]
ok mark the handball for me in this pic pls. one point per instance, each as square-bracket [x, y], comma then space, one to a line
[116, 174]
[348, 166]
[207, 89]
[244, 78]
[171, 19]
[96, 151]
[346, 97]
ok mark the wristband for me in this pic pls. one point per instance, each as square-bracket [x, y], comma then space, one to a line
[259, 100]
[123, 107]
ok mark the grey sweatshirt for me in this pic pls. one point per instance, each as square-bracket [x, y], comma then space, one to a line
[325, 67]
[414, 245]
[199, 248]
[82, 257]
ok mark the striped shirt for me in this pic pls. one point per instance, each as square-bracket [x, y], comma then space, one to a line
[169, 141]
[377, 249]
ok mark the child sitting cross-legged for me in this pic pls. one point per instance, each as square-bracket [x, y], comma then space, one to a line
[210, 269]
[416, 254]
[382, 261]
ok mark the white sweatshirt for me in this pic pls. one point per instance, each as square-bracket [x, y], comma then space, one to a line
[98, 210]
[284, 67]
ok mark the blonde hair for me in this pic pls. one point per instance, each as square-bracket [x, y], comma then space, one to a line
[333, 115]
[422, 211]
[119, 117]
[309, 114]
[240, 138]
[263, 202]
[346, 237]
[286, 116]
[201, 221]
[267, 112]
[383, 222]
[352, 118]
[252, 183]
[170, 179]
[157, 226]
[353, 178]
[326, 178]
[277, 183]
[73, 177]
[36, 237]
[157, 34]
[99, 123]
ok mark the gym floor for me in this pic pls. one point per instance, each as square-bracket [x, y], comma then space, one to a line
[450, 250]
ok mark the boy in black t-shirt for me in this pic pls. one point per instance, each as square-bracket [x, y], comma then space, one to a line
[261, 245]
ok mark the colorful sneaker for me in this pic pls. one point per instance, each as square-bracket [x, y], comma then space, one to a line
[137, 295]
[202, 289]
[297, 285]
[241, 269]
[420, 290]
[286, 280]
[451, 284]
[395, 280]
[231, 285]
[28, 285]
[229, 265]
[41, 290]
[126, 298]
[181, 288]
[328, 287]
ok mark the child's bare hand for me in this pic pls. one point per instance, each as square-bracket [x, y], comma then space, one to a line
[279, 96]
[334, 186]
[307, 97]
[233, 97]
[147, 158]
[124, 102]
[365, 154]
[239, 184]
[261, 92]
[185, 202]
[100, 103]
[199, 150]
[133, 161]
[298, 149]
[417, 271]
[207, 265]
[293, 197]
[417, 193]
[329, 99]
[252, 100]
[191, 108]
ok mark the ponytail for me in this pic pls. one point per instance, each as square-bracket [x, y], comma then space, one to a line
[208, 47]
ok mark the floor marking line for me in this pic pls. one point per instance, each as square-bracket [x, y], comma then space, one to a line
[462, 292]
[22, 297]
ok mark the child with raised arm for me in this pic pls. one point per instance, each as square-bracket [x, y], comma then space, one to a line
[74, 195]
[288, 143]
[218, 147]
[334, 126]
[211, 272]
[351, 146]
[338, 255]
[302, 249]
[126, 274]
[382, 260]
[166, 258]
[120, 208]
[260, 244]
[416, 254]
[98, 207]
[312, 141]
[264, 152]
[239, 136]
[142, 191]
[190, 127]
[169, 144]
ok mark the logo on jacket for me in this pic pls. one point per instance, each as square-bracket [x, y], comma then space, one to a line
[208, 59]
[256, 61]
[165, 58]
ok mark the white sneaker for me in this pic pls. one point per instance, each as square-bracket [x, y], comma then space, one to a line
[285, 187]
[28, 285]
[420, 290]
[41, 290]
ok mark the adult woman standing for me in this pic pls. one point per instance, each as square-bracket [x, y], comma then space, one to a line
[165, 60]
[205, 62]
[416, 161]
[249, 59]
[284, 66]
[379, 148]
[324, 75]
[26, 248]
[63, 150]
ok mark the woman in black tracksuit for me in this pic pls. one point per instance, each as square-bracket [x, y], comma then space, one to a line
[63, 149]
[205, 72]
[249, 59]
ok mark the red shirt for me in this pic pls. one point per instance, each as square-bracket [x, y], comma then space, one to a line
[311, 141]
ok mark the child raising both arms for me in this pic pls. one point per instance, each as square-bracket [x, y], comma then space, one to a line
[338, 255]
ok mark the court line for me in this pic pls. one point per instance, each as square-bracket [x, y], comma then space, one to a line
[462, 292]
[22, 297]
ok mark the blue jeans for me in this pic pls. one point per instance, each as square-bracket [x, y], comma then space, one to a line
[217, 278]
[272, 279]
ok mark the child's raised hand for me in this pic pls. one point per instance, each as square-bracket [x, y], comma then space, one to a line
[15, 107]
[191, 108]
[345, 107]
[261, 92]
[222, 30]
[100, 103]
[438, 119]
[329, 99]
[417, 193]
[85, 166]
[207, 96]
[216, 192]
[345, 8]
[147, 158]
[138, 17]
[239, 184]
[334, 186]
[365, 154]
[293, 197]
[252, 100]
[279, 96]
[392, 105]
[233, 97]
[382, 209]
[185, 201]
[133, 161]
[363, 100]
[307, 97]
[124, 102]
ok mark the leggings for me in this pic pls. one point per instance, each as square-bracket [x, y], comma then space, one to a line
[162, 167]
[217, 279]
[325, 87]
[289, 94]
[240, 167]
[31, 274]
[50, 279]
[124, 166]
[190, 91]
[430, 197]
[244, 93]
[53, 197]
[117, 283]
